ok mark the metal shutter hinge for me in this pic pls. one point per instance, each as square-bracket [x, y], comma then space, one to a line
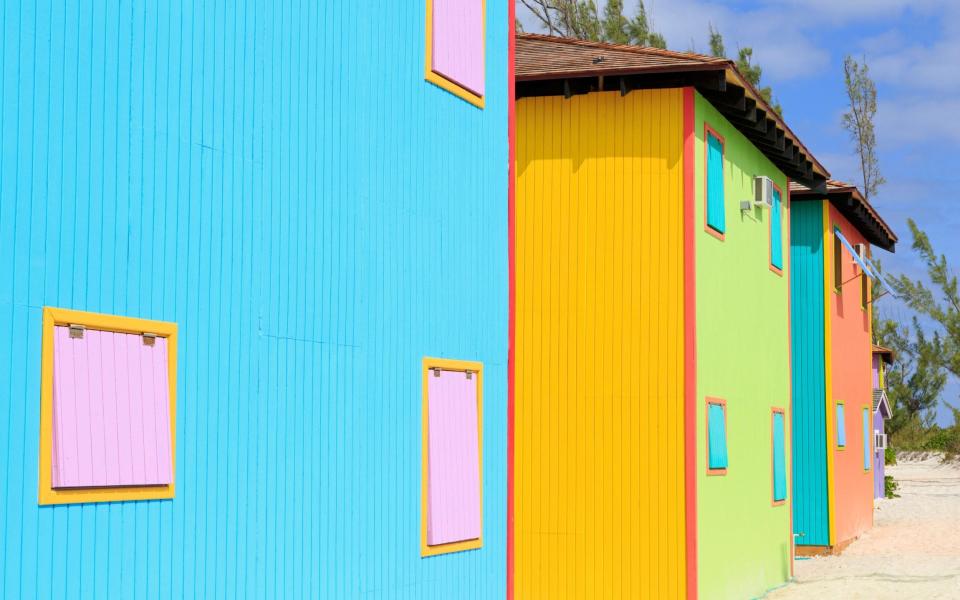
[76, 331]
[149, 339]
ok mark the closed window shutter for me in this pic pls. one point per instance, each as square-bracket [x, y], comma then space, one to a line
[716, 219]
[111, 410]
[779, 458]
[776, 232]
[841, 427]
[718, 437]
[453, 459]
[458, 43]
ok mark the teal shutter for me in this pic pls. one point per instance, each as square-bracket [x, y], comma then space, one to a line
[717, 425]
[866, 440]
[779, 458]
[841, 427]
[716, 219]
[776, 232]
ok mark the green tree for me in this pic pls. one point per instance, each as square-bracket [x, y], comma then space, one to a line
[858, 121]
[753, 73]
[614, 24]
[640, 30]
[916, 378]
[940, 300]
[750, 71]
[580, 19]
[716, 43]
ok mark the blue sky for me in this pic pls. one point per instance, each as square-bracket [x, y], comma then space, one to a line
[913, 49]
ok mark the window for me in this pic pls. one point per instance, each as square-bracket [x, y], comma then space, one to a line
[107, 408]
[716, 436]
[776, 232]
[866, 439]
[841, 427]
[451, 503]
[455, 47]
[715, 217]
[837, 264]
[779, 457]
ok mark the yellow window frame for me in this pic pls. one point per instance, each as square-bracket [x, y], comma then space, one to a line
[441, 81]
[448, 365]
[53, 317]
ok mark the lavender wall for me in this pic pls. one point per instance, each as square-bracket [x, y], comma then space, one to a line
[878, 491]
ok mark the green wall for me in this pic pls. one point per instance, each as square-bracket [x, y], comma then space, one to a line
[742, 357]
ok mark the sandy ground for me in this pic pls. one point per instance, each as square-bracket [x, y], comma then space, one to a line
[913, 550]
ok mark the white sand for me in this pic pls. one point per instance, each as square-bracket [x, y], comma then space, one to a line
[913, 550]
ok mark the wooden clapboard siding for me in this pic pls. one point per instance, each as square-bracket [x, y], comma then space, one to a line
[850, 381]
[599, 438]
[811, 515]
[743, 357]
[281, 182]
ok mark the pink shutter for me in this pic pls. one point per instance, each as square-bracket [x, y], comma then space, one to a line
[453, 460]
[111, 410]
[458, 42]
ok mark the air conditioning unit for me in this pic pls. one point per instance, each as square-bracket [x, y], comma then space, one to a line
[880, 440]
[762, 191]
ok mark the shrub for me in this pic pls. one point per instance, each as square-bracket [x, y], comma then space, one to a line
[890, 487]
[889, 456]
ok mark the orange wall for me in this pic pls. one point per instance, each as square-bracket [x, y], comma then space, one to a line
[850, 362]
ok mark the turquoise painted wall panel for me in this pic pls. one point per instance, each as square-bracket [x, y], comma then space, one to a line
[810, 506]
[280, 181]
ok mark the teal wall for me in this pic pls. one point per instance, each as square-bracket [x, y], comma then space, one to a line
[810, 508]
[280, 181]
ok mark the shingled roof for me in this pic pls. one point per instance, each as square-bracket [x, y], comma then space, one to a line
[552, 66]
[547, 57]
[852, 205]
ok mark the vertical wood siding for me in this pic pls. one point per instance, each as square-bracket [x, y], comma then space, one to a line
[280, 181]
[743, 350]
[810, 508]
[851, 384]
[599, 448]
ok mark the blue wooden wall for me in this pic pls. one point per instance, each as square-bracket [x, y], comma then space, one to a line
[810, 507]
[279, 180]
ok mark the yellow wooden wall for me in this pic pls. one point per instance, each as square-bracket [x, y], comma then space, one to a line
[599, 468]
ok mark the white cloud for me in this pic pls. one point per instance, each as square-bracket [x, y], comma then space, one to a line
[918, 119]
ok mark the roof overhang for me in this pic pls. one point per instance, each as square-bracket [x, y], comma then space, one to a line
[550, 66]
[881, 404]
[885, 354]
[855, 208]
